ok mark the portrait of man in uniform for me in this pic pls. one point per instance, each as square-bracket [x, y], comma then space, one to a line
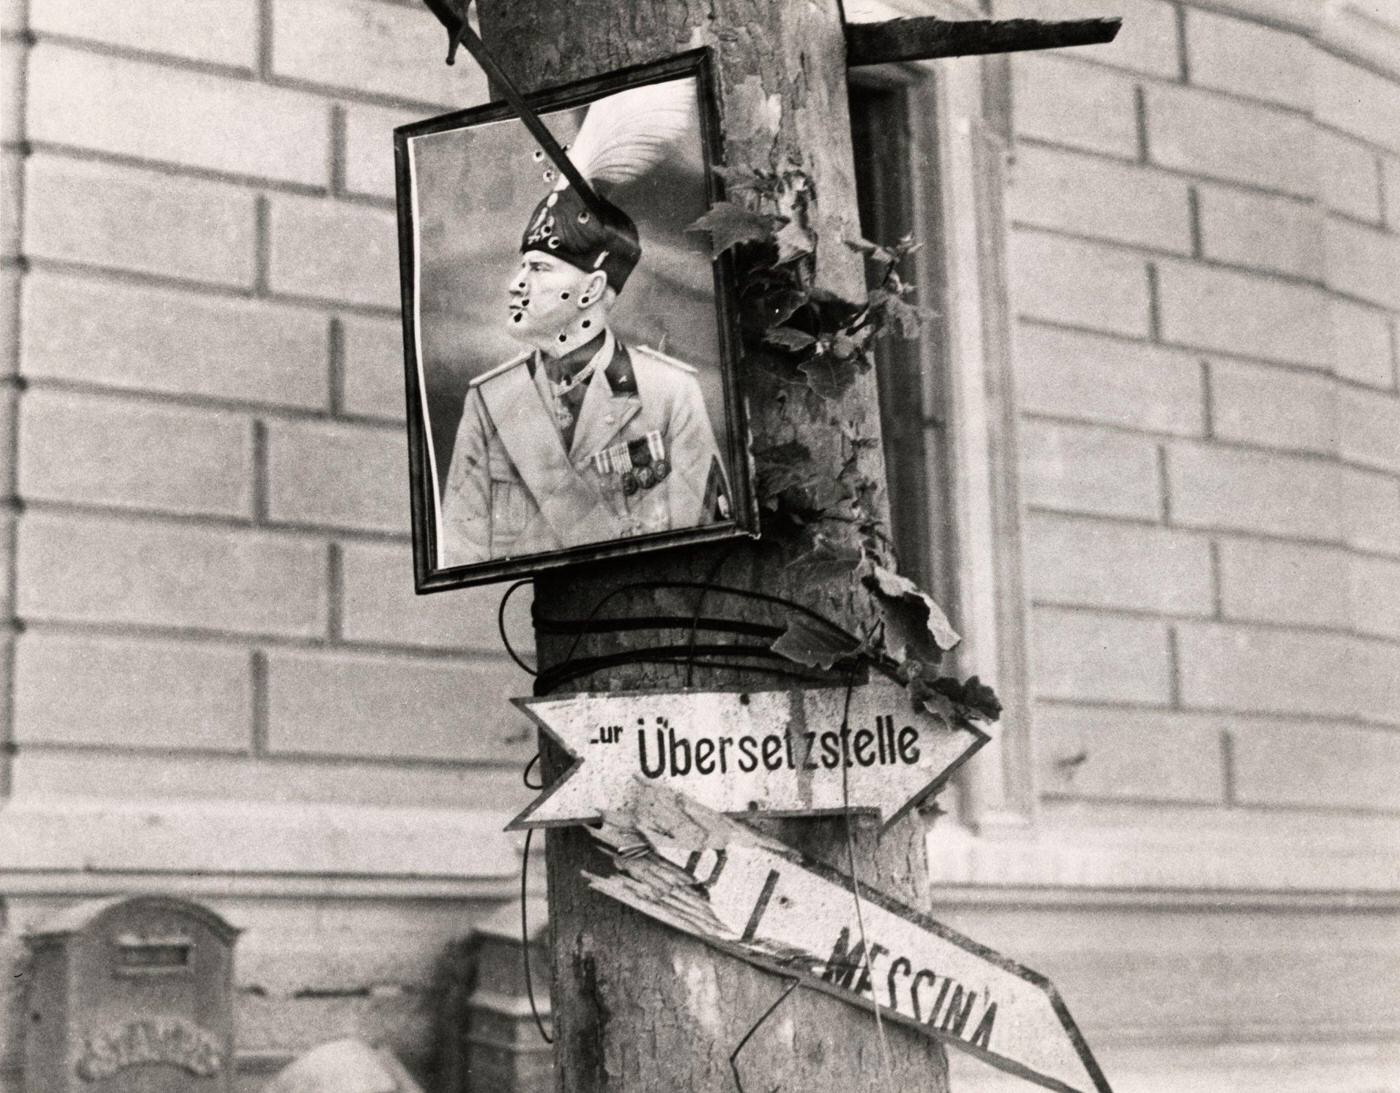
[594, 423]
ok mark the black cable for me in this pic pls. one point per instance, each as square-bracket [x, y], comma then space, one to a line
[552, 678]
[656, 622]
[501, 626]
[700, 606]
[525, 774]
[793, 984]
[525, 935]
[727, 590]
[569, 667]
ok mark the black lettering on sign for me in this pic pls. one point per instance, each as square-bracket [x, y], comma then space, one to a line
[876, 951]
[771, 882]
[982, 1036]
[902, 966]
[692, 866]
[921, 975]
[842, 964]
[646, 767]
[704, 756]
[662, 752]
[958, 1011]
[748, 754]
[849, 969]
[909, 745]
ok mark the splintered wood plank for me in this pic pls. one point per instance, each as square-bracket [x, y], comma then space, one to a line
[924, 37]
[737, 890]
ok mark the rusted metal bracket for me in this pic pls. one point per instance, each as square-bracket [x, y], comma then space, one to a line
[924, 37]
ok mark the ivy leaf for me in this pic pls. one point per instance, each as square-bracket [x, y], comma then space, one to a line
[827, 376]
[873, 251]
[730, 224]
[906, 317]
[791, 481]
[780, 305]
[794, 240]
[972, 696]
[783, 467]
[743, 178]
[915, 626]
[931, 701]
[809, 642]
[821, 495]
[957, 702]
[826, 562]
[835, 311]
[842, 346]
[788, 338]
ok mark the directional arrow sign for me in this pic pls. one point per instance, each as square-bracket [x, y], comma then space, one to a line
[780, 753]
[693, 869]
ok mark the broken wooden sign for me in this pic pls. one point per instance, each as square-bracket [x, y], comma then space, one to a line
[778, 753]
[724, 883]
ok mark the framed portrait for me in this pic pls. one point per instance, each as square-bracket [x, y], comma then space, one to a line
[570, 354]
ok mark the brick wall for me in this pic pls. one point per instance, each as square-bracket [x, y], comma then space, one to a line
[215, 678]
[203, 551]
[209, 565]
[1206, 267]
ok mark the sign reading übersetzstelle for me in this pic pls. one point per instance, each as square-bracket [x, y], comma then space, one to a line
[780, 753]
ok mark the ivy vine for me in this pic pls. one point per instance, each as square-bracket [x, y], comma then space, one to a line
[818, 343]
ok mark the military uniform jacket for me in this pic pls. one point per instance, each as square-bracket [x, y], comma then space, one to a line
[513, 489]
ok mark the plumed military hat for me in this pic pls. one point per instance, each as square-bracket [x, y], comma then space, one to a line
[564, 226]
[623, 136]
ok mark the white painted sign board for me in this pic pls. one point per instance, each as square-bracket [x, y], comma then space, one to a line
[775, 753]
[713, 878]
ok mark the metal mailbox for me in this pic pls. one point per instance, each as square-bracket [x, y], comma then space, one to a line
[131, 995]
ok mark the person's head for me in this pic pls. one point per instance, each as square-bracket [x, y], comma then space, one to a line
[573, 264]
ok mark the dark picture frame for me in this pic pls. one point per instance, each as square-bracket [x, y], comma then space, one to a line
[476, 197]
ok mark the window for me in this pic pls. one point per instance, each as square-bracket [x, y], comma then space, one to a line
[929, 164]
[897, 190]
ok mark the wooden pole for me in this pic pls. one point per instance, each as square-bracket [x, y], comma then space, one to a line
[638, 1008]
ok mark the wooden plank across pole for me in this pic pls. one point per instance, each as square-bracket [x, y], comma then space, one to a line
[925, 37]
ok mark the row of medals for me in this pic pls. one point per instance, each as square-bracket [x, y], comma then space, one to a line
[641, 463]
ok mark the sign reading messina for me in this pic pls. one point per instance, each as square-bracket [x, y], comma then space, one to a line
[807, 752]
[697, 871]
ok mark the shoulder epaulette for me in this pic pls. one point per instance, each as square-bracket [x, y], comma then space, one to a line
[656, 354]
[494, 372]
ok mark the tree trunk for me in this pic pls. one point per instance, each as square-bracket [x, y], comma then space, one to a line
[637, 1007]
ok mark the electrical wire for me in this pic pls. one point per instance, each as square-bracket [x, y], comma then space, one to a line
[525, 937]
[501, 626]
[793, 984]
[710, 579]
[885, 1062]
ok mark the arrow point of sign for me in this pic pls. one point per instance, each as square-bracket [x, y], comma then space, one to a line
[545, 810]
[976, 739]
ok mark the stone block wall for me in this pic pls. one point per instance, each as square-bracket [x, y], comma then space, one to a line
[216, 677]
[1206, 260]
